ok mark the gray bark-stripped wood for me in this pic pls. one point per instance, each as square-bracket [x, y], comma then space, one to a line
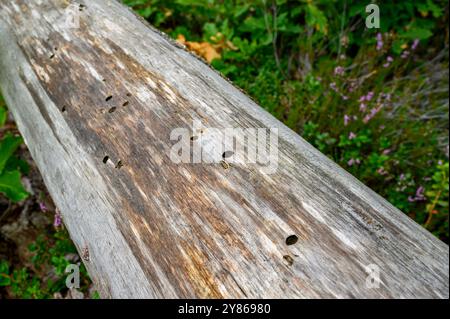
[156, 229]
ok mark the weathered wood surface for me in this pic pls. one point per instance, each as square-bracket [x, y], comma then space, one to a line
[156, 229]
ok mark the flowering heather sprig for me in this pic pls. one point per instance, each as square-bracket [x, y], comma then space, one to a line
[339, 70]
[353, 161]
[379, 41]
[382, 171]
[347, 119]
[333, 86]
[351, 136]
[372, 114]
[389, 60]
[352, 87]
[419, 195]
[405, 54]
[57, 220]
[42, 207]
[415, 44]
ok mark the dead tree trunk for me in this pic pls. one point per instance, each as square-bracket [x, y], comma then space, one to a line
[96, 102]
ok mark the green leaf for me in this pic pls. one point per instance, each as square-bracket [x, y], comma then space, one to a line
[5, 280]
[417, 33]
[3, 116]
[443, 203]
[11, 186]
[8, 146]
[316, 18]
[15, 163]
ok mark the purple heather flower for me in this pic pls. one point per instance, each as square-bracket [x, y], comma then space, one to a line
[405, 54]
[333, 86]
[345, 97]
[339, 70]
[362, 107]
[419, 191]
[440, 162]
[387, 151]
[415, 44]
[389, 60]
[382, 171]
[351, 136]
[346, 119]
[362, 98]
[402, 177]
[351, 162]
[43, 207]
[379, 41]
[57, 220]
[369, 96]
[358, 161]
[419, 195]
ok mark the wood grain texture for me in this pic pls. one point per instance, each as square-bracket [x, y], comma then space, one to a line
[156, 229]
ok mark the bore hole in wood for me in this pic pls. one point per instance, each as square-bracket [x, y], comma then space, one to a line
[105, 159]
[128, 94]
[63, 109]
[224, 164]
[82, 6]
[289, 260]
[125, 103]
[119, 164]
[108, 98]
[291, 240]
[113, 109]
[193, 138]
[227, 154]
[52, 56]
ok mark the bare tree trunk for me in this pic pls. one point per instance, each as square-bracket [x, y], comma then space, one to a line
[96, 103]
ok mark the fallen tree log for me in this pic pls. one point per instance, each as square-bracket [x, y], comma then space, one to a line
[97, 100]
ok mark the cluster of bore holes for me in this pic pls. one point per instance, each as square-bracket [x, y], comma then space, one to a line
[53, 54]
[114, 108]
[118, 165]
[224, 162]
[81, 7]
[290, 240]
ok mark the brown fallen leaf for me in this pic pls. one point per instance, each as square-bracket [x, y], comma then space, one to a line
[208, 51]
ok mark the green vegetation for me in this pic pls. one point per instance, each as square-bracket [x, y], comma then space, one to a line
[11, 167]
[50, 256]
